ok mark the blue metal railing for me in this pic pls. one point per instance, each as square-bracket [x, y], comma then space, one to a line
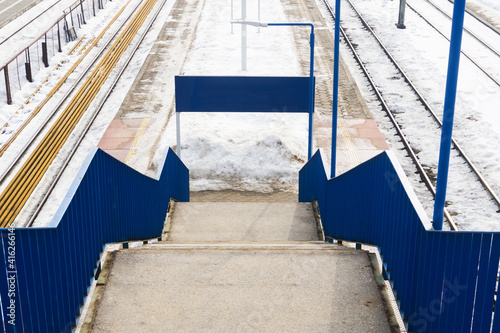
[445, 281]
[47, 271]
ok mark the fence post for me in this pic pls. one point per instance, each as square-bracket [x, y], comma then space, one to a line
[7, 84]
[83, 15]
[66, 30]
[401, 18]
[71, 15]
[45, 55]
[59, 49]
[27, 66]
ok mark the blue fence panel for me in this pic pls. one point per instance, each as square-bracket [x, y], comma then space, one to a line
[241, 94]
[445, 281]
[488, 263]
[107, 202]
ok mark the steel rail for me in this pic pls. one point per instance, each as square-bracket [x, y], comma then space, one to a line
[24, 182]
[54, 90]
[479, 39]
[423, 174]
[60, 18]
[67, 160]
[483, 181]
[36, 166]
[31, 21]
[77, 44]
[462, 51]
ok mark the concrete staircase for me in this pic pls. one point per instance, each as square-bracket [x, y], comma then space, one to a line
[241, 267]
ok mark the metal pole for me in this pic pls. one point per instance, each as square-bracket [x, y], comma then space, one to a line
[7, 84]
[311, 96]
[83, 15]
[27, 66]
[448, 112]
[71, 15]
[335, 89]
[45, 53]
[59, 38]
[401, 18]
[243, 36]
[258, 9]
[178, 132]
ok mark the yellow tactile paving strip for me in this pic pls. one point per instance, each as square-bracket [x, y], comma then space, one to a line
[357, 141]
[122, 136]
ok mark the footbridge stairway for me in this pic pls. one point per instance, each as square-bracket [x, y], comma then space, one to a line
[246, 267]
[238, 267]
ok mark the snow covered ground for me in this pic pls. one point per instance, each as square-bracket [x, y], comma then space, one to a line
[487, 8]
[252, 152]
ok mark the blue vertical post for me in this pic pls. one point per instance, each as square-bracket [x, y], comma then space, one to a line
[448, 112]
[335, 89]
[311, 95]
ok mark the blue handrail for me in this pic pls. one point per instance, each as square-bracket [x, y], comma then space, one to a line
[47, 271]
[444, 280]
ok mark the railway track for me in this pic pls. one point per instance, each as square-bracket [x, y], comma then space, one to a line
[394, 107]
[22, 185]
[28, 23]
[470, 33]
[35, 112]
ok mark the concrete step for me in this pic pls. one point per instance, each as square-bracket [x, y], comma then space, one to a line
[242, 221]
[241, 287]
[289, 246]
[241, 267]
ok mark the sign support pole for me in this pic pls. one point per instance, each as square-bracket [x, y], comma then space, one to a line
[448, 112]
[178, 132]
[335, 102]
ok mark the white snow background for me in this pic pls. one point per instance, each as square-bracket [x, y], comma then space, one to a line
[249, 152]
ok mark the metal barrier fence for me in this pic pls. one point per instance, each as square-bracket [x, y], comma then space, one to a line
[23, 67]
[444, 281]
[46, 272]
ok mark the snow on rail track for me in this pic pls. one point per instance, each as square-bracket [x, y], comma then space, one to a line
[87, 124]
[475, 48]
[422, 54]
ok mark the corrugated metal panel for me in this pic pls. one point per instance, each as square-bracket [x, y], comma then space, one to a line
[445, 281]
[107, 202]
